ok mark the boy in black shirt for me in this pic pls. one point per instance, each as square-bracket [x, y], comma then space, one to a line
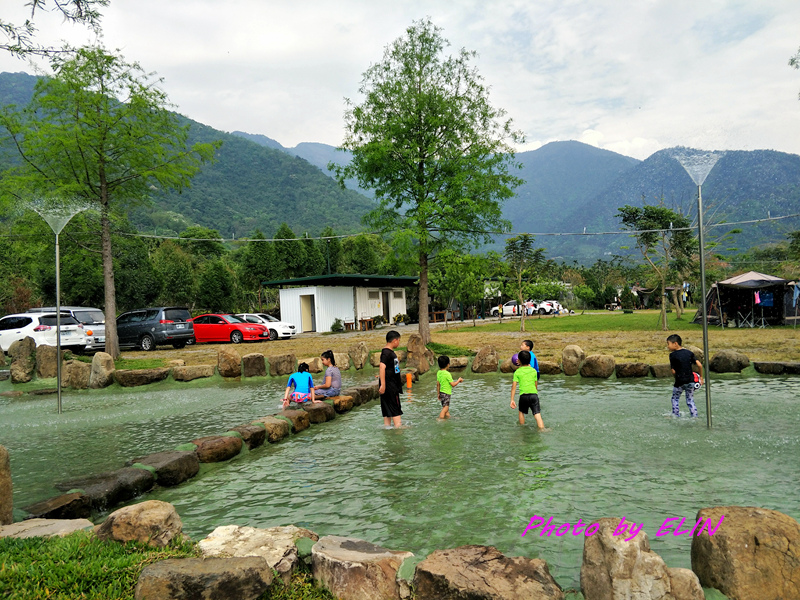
[681, 360]
[391, 384]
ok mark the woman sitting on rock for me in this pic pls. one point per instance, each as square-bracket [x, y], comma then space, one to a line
[333, 377]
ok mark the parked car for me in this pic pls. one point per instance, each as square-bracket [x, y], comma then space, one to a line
[224, 328]
[557, 307]
[147, 328]
[92, 319]
[42, 328]
[510, 308]
[277, 328]
[544, 307]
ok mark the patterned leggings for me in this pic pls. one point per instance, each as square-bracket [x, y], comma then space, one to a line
[676, 396]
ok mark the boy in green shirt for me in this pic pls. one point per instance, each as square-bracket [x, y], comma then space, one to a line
[445, 385]
[528, 388]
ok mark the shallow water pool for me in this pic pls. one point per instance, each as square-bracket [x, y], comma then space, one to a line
[477, 478]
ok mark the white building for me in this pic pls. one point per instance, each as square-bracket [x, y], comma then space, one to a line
[314, 303]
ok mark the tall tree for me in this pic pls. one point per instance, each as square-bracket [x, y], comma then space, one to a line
[331, 249]
[523, 259]
[258, 263]
[291, 255]
[432, 147]
[175, 270]
[664, 240]
[20, 37]
[100, 130]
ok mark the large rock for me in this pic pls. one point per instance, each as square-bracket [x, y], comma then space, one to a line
[572, 358]
[112, 488]
[355, 394]
[191, 372]
[204, 579]
[46, 361]
[375, 359]
[616, 569]
[792, 368]
[359, 354]
[137, 377]
[252, 435]
[402, 355]
[369, 391]
[483, 573]
[342, 404]
[314, 364]
[171, 467]
[283, 364]
[44, 528]
[217, 448]
[276, 429]
[65, 506]
[76, 374]
[418, 362]
[342, 360]
[485, 360]
[770, 368]
[598, 365]
[547, 367]
[276, 545]
[662, 371]
[319, 412]
[754, 553]
[459, 362]
[254, 365]
[698, 352]
[728, 361]
[354, 569]
[24, 349]
[298, 418]
[6, 499]
[508, 367]
[102, 373]
[637, 369]
[415, 348]
[229, 362]
[685, 585]
[152, 522]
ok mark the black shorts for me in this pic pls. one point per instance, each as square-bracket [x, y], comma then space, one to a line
[527, 401]
[390, 404]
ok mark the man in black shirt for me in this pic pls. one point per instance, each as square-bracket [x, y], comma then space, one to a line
[682, 360]
[391, 384]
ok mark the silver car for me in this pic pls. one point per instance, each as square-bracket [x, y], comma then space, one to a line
[92, 319]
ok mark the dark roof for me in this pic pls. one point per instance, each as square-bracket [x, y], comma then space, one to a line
[355, 280]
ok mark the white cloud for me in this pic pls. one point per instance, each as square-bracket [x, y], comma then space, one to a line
[628, 77]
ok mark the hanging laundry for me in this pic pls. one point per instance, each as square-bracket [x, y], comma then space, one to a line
[758, 298]
[796, 294]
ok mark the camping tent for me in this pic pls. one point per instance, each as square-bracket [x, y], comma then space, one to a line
[750, 300]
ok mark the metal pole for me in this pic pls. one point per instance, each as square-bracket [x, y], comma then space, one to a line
[58, 324]
[703, 295]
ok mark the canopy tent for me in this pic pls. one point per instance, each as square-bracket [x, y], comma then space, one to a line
[750, 300]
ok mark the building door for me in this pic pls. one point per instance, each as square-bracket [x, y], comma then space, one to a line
[387, 317]
[308, 313]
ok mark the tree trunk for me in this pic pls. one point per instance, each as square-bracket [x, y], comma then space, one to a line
[675, 301]
[521, 309]
[112, 341]
[424, 323]
[664, 325]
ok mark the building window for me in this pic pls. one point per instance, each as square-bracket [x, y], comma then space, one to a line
[397, 294]
[374, 295]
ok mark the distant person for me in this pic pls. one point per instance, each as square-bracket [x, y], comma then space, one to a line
[391, 385]
[303, 386]
[333, 377]
[528, 346]
[445, 385]
[526, 377]
[682, 360]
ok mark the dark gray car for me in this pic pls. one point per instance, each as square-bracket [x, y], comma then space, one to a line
[147, 328]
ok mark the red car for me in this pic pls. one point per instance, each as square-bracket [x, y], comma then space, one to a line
[224, 328]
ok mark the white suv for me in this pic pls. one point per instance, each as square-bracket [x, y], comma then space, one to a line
[92, 319]
[277, 328]
[42, 328]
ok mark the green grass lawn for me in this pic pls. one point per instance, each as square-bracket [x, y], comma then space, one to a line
[647, 320]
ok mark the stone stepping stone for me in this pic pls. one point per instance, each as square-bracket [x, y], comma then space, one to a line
[171, 467]
[319, 412]
[298, 418]
[137, 377]
[191, 372]
[152, 522]
[112, 488]
[66, 506]
[342, 404]
[638, 369]
[44, 528]
[356, 569]
[253, 435]
[277, 429]
[217, 448]
[190, 578]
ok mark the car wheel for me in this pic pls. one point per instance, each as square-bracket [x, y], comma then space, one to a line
[495, 313]
[191, 341]
[147, 343]
[273, 335]
[179, 345]
[237, 337]
[542, 311]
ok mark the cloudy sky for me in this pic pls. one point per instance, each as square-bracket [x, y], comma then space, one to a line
[632, 77]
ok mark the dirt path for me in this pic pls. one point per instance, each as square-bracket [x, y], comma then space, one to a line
[774, 344]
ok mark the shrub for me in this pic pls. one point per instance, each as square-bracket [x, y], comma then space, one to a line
[337, 326]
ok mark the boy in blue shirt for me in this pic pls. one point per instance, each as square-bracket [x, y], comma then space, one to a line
[527, 379]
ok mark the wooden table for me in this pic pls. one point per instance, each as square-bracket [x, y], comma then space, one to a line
[366, 324]
[437, 315]
[349, 326]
